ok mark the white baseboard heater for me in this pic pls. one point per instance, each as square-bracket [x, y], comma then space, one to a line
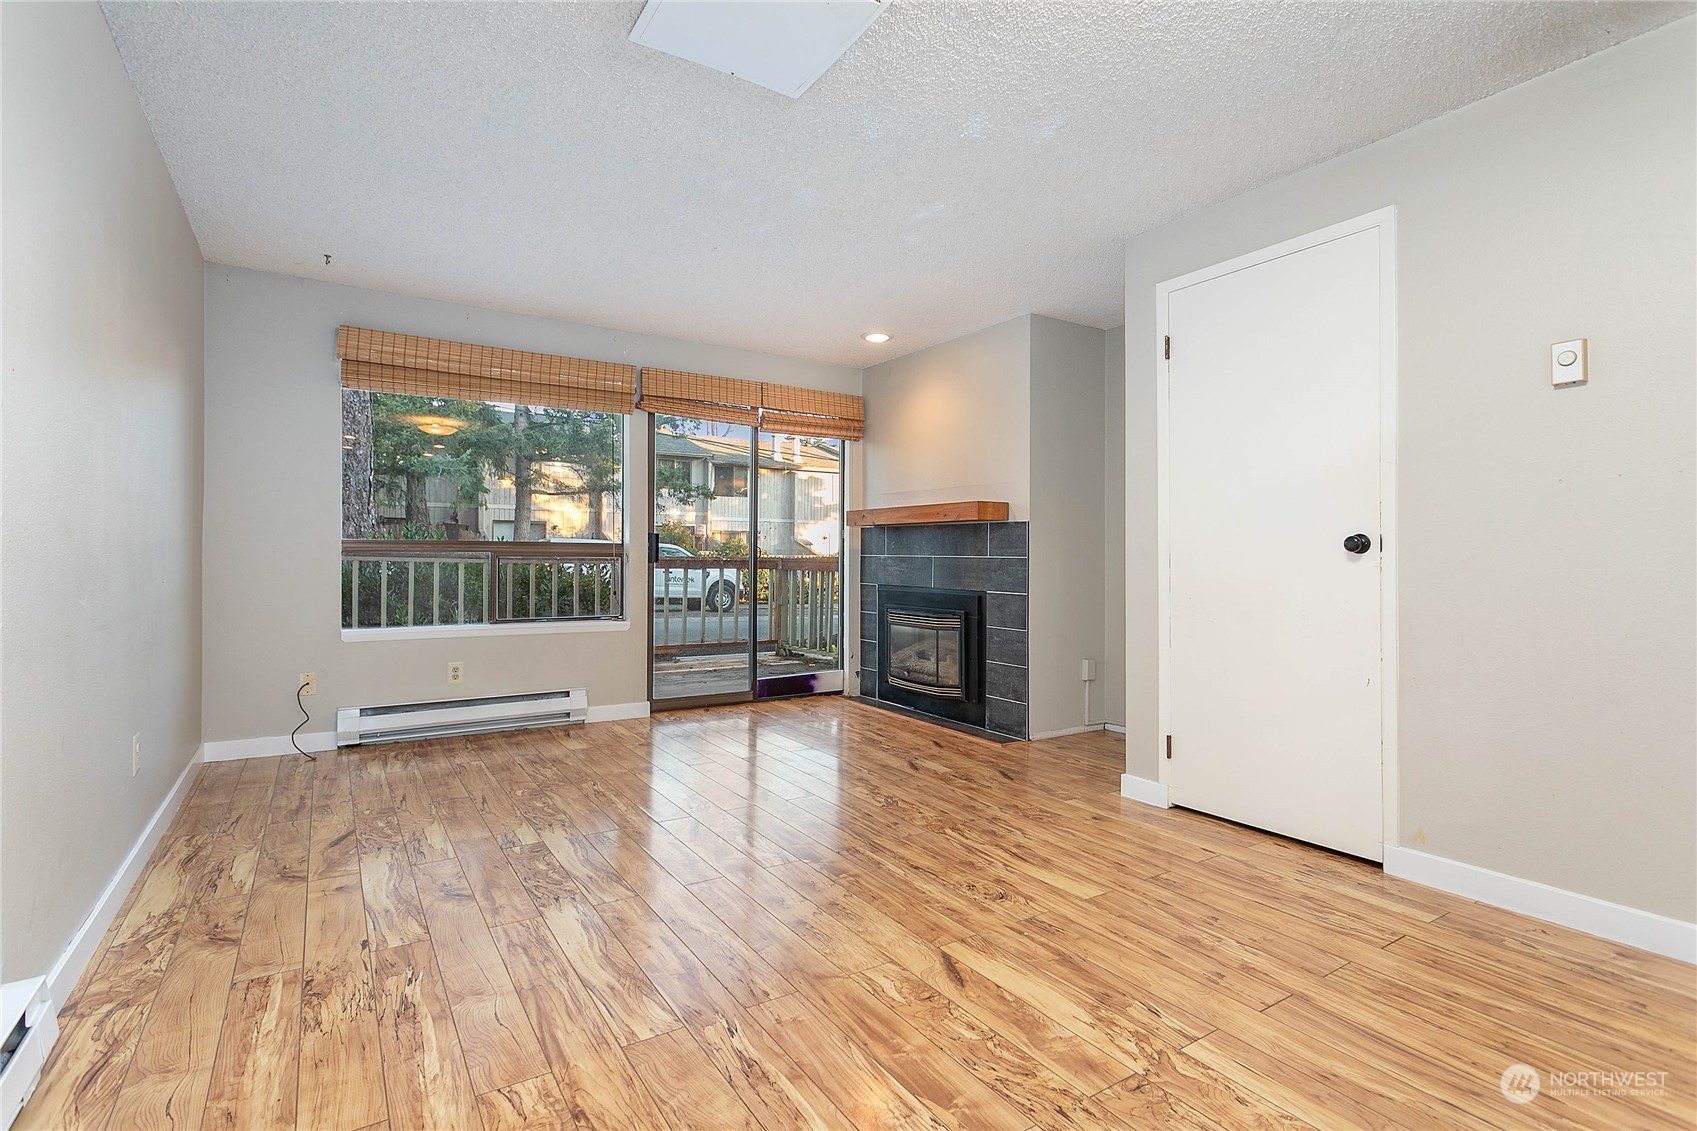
[404, 722]
[30, 1026]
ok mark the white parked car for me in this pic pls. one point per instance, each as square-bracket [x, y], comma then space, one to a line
[715, 587]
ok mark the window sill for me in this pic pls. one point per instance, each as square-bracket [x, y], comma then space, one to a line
[462, 631]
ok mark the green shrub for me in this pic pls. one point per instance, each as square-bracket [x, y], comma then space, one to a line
[677, 534]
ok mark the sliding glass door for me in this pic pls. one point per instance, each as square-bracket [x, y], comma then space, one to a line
[800, 565]
[744, 560]
[700, 561]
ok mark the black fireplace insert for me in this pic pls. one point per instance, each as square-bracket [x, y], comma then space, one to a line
[931, 651]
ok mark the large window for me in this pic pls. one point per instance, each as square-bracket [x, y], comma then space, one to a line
[426, 469]
[432, 485]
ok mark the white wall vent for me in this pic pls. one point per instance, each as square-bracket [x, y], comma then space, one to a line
[403, 722]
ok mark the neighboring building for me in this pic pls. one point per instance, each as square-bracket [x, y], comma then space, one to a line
[800, 498]
[800, 492]
[553, 516]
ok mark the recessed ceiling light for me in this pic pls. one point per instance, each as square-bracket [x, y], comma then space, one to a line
[875, 338]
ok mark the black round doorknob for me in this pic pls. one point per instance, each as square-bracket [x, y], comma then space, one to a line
[1358, 543]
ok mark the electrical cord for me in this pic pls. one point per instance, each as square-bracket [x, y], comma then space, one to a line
[306, 717]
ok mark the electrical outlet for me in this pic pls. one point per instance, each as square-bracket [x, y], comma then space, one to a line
[135, 755]
[456, 672]
[308, 683]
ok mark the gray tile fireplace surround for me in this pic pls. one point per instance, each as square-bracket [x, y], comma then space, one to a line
[991, 557]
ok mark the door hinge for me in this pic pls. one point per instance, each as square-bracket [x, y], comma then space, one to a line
[1167, 347]
[1169, 747]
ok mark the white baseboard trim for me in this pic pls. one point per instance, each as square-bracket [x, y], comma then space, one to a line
[1116, 728]
[1643, 929]
[275, 746]
[1065, 731]
[612, 712]
[74, 959]
[1144, 790]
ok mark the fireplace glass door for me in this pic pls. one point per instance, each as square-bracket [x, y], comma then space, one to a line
[925, 653]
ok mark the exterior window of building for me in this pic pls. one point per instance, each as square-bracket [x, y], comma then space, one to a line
[730, 480]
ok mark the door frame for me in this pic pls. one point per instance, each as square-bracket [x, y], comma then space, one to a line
[726, 697]
[752, 695]
[1383, 221]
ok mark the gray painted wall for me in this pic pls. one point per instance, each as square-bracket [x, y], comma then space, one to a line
[1067, 472]
[1546, 539]
[1014, 412]
[273, 507]
[953, 422]
[101, 558]
[1112, 676]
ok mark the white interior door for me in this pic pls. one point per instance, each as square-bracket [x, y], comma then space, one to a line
[1272, 462]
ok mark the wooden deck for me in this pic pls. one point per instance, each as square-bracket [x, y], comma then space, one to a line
[726, 673]
[813, 914]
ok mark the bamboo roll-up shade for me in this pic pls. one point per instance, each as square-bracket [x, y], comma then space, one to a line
[794, 424]
[454, 386]
[774, 408]
[701, 410]
[383, 362]
[812, 412]
[728, 400]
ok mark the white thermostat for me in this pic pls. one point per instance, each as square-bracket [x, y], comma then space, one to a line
[1568, 363]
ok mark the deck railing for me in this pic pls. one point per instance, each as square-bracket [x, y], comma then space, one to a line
[793, 606]
[807, 601]
[387, 584]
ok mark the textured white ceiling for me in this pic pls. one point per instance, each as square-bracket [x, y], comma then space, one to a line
[962, 164]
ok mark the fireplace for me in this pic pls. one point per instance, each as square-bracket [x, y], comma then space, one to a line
[912, 568]
[931, 651]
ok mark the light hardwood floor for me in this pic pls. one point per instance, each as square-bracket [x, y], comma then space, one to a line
[812, 914]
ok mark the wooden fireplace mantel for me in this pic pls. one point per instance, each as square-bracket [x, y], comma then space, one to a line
[978, 510]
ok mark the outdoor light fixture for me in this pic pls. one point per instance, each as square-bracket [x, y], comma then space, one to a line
[875, 338]
[435, 425]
